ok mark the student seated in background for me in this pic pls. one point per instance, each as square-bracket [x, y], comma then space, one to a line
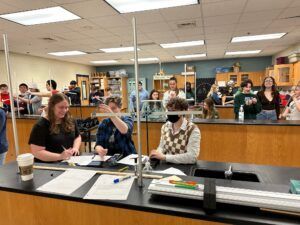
[55, 137]
[189, 93]
[180, 139]
[150, 107]
[228, 92]
[213, 94]
[96, 95]
[247, 100]
[209, 110]
[292, 112]
[172, 92]
[114, 133]
[4, 96]
[32, 102]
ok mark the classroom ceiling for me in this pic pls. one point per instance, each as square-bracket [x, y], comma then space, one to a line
[215, 21]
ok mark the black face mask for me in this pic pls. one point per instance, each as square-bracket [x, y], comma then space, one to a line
[173, 118]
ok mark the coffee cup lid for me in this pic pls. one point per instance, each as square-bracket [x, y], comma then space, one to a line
[25, 156]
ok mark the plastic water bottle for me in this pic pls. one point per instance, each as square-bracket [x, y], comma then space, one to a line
[241, 113]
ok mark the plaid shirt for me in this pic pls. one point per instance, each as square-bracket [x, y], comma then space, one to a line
[108, 136]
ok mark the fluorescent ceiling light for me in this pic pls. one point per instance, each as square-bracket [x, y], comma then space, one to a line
[122, 49]
[182, 44]
[258, 37]
[146, 59]
[68, 53]
[104, 61]
[190, 56]
[243, 52]
[40, 16]
[128, 6]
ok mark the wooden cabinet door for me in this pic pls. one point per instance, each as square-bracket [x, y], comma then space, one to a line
[297, 73]
[234, 77]
[181, 81]
[284, 74]
[83, 81]
[222, 77]
[256, 77]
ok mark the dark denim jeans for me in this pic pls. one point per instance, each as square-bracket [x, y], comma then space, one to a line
[267, 115]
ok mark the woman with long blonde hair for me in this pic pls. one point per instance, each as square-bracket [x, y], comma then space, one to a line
[213, 94]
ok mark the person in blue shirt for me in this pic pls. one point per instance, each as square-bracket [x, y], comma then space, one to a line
[114, 133]
[3, 139]
[144, 95]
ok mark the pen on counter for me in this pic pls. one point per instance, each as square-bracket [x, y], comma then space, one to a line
[95, 153]
[118, 180]
[123, 169]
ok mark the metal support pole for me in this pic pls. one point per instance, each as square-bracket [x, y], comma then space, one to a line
[195, 88]
[13, 116]
[185, 80]
[136, 70]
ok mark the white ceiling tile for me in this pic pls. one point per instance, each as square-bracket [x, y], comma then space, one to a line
[246, 32]
[217, 40]
[67, 1]
[181, 13]
[90, 9]
[229, 28]
[188, 32]
[188, 37]
[285, 23]
[110, 21]
[253, 25]
[144, 17]
[175, 24]
[263, 5]
[218, 35]
[4, 8]
[154, 27]
[83, 24]
[223, 8]
[281, 29]
[290, 12]
[260, 16]
[221, 20]
[295, 3]
[24, 5]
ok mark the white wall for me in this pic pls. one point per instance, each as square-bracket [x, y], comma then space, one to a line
[27, 69]
[286, 52]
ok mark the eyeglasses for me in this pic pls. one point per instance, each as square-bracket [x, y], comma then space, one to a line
[270, 81]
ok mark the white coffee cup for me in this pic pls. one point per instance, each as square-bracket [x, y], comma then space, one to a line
[25, 163]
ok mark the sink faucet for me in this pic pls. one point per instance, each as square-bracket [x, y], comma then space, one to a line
[228, 173]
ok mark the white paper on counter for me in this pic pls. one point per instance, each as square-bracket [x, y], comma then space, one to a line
[129, 160]
[84, 160]
[105, 188]
[170, 170]
[67, 182]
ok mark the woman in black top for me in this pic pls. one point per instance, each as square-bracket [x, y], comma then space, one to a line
[56, 136]
[269, 99]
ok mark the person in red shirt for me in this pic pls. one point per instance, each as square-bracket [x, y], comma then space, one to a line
[4, 94]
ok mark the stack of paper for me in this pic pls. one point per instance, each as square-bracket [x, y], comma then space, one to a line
[67, 182]
[105, 188]
[84, 160]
